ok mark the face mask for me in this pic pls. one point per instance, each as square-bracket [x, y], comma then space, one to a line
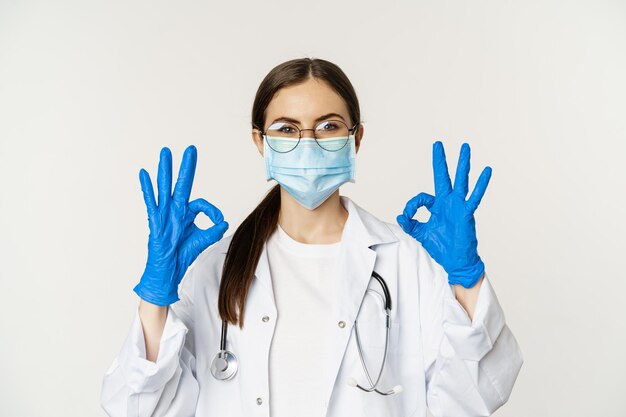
[309, 173]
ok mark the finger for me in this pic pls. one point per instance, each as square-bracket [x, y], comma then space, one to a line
[479, 189]
[440, 169]
[422, 199]
[406, 221]
[164, 178]
[214, 233]
[462, 171]
[182, 189]
[201, 205]
[148, 196]
[202, 239]
[411, 226]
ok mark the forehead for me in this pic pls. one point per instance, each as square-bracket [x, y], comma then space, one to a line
[306, 101]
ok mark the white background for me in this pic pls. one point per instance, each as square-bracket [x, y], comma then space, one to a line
[91, 90]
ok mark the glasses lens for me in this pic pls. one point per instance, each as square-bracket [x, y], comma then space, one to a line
[332, 135]
[282, 136]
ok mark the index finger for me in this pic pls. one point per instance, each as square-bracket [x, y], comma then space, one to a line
[182, 190]
[201, 205]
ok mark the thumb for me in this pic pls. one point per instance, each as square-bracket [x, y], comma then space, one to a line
[411, 226]
[201, 239]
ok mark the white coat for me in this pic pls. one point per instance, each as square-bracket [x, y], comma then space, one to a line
[444, 361]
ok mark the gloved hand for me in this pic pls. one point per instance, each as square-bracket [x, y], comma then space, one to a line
[449, 236]
[174, 241]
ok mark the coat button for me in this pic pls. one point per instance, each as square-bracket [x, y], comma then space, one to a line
[265, 318]
[259, 401]
[342, 324]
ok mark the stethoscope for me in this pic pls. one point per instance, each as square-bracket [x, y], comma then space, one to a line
[224, 365]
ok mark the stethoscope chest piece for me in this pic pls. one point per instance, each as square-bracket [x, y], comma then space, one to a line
[224, 365]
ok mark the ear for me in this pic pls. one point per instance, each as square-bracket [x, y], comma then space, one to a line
[358, 136]
[258, 140]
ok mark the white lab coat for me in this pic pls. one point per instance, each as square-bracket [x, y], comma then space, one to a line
[442, 360]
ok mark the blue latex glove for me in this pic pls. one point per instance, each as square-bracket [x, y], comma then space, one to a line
[174, 241]
[449, 236]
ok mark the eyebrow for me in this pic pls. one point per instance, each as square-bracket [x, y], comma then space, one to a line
[326, 116]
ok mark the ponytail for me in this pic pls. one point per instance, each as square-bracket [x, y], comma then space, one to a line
[243, 256]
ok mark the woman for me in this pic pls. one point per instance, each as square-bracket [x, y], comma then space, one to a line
[299, 271]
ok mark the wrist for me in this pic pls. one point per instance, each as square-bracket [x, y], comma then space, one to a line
[468, 276]
[156, 297]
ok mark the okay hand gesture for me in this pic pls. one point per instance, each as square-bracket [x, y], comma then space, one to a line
[449, 235]
[174, 241]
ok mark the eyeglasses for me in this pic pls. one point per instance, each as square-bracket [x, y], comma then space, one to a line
[331, 135]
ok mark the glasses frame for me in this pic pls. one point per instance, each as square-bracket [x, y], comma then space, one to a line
[350, 132]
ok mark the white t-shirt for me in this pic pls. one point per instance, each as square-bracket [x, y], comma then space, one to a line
[303, 278]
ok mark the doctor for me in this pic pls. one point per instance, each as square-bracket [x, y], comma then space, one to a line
[313, 307]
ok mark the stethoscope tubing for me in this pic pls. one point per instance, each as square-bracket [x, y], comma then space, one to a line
[387, 303]
[224, 365]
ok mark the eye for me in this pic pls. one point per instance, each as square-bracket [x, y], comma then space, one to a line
[282, 129]
[328, 125]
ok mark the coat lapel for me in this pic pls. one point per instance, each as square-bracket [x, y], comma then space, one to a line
[361, 233]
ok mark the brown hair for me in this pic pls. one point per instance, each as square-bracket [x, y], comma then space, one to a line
[247, 242]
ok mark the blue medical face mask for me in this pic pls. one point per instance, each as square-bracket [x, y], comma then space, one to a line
[309, 173]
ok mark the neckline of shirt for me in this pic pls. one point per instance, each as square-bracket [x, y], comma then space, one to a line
[317, 250]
